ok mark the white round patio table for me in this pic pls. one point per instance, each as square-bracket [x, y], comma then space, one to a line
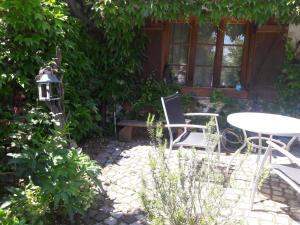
[264, 124]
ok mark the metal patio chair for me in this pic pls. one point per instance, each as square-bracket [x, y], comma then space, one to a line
[175, 119]
[288, 172]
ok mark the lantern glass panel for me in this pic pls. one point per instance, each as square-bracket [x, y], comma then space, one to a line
[54, 90]
[44, 90]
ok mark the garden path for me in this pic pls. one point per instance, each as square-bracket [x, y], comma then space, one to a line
[125, 163]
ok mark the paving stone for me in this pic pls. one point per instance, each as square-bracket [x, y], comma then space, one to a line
[110, 221]
[92, 213]
[262, 222]
[117, 215]
[101, 216]
[126, 163]
[88, 221]
[129, 219]
[136, 223]
[266, 191]
[252, 221]
[282, 219]
[277, 193]
[278, 198]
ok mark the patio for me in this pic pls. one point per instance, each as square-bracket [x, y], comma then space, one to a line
[124, 163]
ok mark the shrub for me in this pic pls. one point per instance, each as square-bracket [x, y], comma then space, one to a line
[64, 180]
[27, 203]
[192, 191]
[7, 219]
[29, 34]
[150, 90]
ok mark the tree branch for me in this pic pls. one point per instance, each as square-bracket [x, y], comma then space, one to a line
[77, 9]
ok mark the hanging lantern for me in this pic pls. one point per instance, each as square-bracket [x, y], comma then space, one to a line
[48, 85]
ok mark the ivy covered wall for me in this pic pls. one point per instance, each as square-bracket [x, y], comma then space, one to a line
[102, 47]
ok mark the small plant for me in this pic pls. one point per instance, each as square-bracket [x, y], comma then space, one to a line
[192, 191]
[27, 203]
[59, 180]
[7, 219]
[151, 91]
[218, 96]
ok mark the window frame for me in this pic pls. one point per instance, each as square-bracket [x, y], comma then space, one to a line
[217, 65]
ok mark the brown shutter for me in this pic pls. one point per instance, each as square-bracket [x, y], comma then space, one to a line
[152, 63]
[267, 59]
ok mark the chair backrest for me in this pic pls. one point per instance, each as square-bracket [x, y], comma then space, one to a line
[173, 111]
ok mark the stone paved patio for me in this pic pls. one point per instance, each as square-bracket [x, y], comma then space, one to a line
[124, 163]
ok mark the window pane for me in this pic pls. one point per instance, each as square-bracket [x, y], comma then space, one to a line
[232, 55]
[234, 34]
[178, 54]
[205, 55]
[229, 77]
[207, 34]
[179, 74]
[44, 90]
[180, 33]
[203, 76]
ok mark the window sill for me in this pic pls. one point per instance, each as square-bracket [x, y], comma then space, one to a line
[206, 92]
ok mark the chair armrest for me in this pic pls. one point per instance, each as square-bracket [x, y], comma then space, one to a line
[201, 114]
[186, 126]
[284, 152]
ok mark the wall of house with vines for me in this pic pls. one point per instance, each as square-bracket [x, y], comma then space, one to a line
[99, 60]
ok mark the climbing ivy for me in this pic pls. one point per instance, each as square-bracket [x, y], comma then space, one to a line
[99, 70]
[288, 83]
[114, 13]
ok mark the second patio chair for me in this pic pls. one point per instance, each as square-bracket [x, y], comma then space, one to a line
[290, 172]
[175, 119]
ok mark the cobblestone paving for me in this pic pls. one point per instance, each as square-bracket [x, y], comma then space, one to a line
[125, 163]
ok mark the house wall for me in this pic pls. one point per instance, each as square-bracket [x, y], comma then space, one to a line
[263, 62]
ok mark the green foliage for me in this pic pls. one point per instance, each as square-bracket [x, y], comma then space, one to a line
[7, 219]
[29, 34]
[132, 13]
[193, 191]
[64, 180]
[218, 96]
[27, 203]
[148, 94]
[289, 82]
[94, 71]
[150, 91]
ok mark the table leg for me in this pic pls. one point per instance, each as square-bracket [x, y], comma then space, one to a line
[237, 151]
[259, 148]
[288, 146]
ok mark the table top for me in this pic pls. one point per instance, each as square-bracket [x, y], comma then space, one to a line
[265, 123]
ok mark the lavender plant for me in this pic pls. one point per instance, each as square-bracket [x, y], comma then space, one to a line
[187, 188]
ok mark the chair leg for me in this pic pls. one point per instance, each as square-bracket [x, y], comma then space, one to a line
[257, 175]
[288, 146]
[253, 192]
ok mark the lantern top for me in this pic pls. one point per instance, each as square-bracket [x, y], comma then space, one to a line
[47, 76]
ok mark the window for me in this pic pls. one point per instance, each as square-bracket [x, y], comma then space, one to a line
[205, 56]
[178, 57]
[213, 58]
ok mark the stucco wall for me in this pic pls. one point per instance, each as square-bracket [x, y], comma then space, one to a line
[294, 33]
